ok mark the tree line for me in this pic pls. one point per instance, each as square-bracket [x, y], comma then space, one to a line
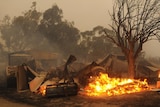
[134, 22]
[49, 31]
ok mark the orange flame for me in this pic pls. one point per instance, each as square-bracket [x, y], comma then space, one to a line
[114, 86]
[42, 90]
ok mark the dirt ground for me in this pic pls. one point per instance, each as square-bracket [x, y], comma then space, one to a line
[12, 98]
[8, 103]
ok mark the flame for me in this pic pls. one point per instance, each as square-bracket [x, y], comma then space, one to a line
[102, 84]
[158, 74]
[42, 90]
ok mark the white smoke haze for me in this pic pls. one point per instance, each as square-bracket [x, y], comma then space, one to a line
[85, 14]
[85, 17]
[36, 43]
[3, 78]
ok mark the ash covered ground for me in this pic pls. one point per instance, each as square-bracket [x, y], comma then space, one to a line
[141, 99]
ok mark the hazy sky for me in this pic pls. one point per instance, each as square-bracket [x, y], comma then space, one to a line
[86, 14]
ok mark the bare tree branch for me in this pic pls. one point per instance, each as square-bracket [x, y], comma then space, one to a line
[134, 22]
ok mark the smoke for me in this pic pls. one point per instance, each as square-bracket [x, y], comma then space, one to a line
[35, 42]
[3, 77]
[41, 43]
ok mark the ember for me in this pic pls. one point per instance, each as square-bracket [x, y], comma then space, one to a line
[42, 90]
[103, 85]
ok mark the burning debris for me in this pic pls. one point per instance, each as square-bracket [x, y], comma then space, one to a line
[65, 88]
[103, 85]
[44, 83]
[94, 79]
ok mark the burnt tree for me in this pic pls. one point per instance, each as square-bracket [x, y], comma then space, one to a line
[134, 22]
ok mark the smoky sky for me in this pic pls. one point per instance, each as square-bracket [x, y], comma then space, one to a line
[85, 14]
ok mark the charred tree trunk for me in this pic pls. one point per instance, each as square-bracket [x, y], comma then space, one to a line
[129, 52]
[131, 59]
[131, 64]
